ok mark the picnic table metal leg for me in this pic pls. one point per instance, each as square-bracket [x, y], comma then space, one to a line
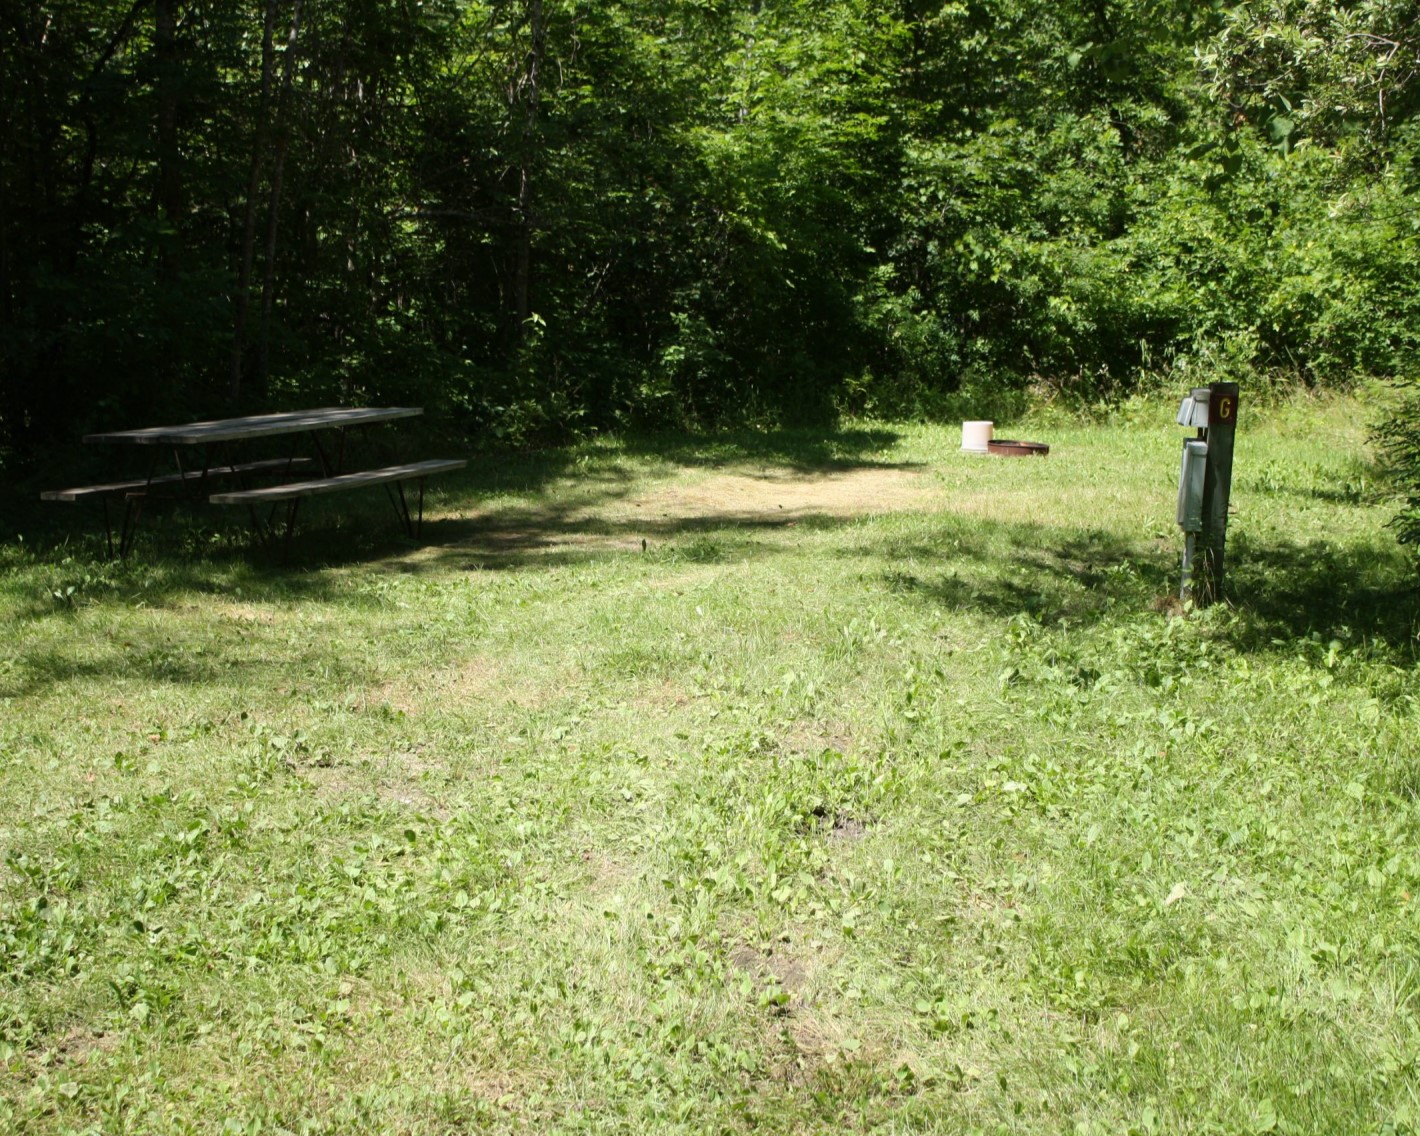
[291, 507]
[215, 456]
[330, 468]
[264, 529]
[256, 525]
[404, 507]
[413, 522]
[132, 510]
[321, 455]
[401, 506]
[108, 527]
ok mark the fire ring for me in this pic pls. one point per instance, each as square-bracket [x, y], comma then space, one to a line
[1009, 448]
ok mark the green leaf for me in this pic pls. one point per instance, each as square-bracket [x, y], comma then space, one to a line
[1280, 128]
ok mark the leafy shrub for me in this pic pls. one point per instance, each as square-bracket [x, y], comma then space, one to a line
[1398, 438]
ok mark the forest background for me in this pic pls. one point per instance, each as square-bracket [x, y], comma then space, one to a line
[540, 218]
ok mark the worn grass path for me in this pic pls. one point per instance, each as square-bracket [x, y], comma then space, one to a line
[876, 791]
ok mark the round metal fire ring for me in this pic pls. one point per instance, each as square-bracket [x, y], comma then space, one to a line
[1008, 448]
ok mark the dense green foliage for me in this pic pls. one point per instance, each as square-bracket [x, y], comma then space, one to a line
[1399, 443]
[539, 215]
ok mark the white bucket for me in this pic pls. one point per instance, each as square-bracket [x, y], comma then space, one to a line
[975, 435]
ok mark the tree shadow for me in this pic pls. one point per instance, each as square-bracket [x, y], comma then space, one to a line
[1288, 590]
[550, 539]
[556, 538]
[1279, 592]
[1002, 570]
[154, 663]
[55, 561]
[503, 514]
[77, 531]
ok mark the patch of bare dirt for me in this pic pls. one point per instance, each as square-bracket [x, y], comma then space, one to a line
[479, 679]
[401, 779]
[771, 498]
[242, 613]
[781, 494]
[846, 828]
[662, 697]
[469, 679]
[81, 1044]
[808, 1037]
[606, 875]
[814, 737]
[778, 966]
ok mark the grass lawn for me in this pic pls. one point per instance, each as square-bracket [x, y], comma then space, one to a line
[779, 783]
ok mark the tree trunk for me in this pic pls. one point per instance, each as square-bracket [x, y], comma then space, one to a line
[85, 111]
[273, 210]
[168, 195]
[33, 224]
[248, 252]
[532, 93]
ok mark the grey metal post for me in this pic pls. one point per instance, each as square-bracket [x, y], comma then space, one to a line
[1217, 487]
[1185, 581]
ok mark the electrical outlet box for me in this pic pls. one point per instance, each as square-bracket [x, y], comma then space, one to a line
[1190, 485]
[1194, 409]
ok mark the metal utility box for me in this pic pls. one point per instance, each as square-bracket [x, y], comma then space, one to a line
[1190, 485]
[1194, 409]
[1205, 479]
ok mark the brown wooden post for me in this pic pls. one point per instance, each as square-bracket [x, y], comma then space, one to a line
[1217, 487]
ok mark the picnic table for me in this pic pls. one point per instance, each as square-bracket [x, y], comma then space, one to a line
[204, 453]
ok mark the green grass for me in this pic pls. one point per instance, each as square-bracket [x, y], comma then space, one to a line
[924, 821]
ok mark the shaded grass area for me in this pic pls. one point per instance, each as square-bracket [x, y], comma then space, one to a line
[920, 821]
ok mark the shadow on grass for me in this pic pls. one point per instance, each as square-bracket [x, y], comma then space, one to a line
[1002, 570]
[46, 527]
[1286, 591]
[53, 556]
[1280, 592]
[151, 662]
[1059, 576]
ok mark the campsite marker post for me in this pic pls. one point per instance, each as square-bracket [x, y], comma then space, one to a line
[1205, 483]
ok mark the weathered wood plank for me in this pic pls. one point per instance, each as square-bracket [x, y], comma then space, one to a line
[257, 426]
[320, 485]
[139, 484]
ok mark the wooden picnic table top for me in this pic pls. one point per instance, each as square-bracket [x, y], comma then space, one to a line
[258, 425]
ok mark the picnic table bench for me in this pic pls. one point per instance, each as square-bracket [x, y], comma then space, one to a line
[394, 475]
[135, 489]
[214, 440]
[119, 488]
